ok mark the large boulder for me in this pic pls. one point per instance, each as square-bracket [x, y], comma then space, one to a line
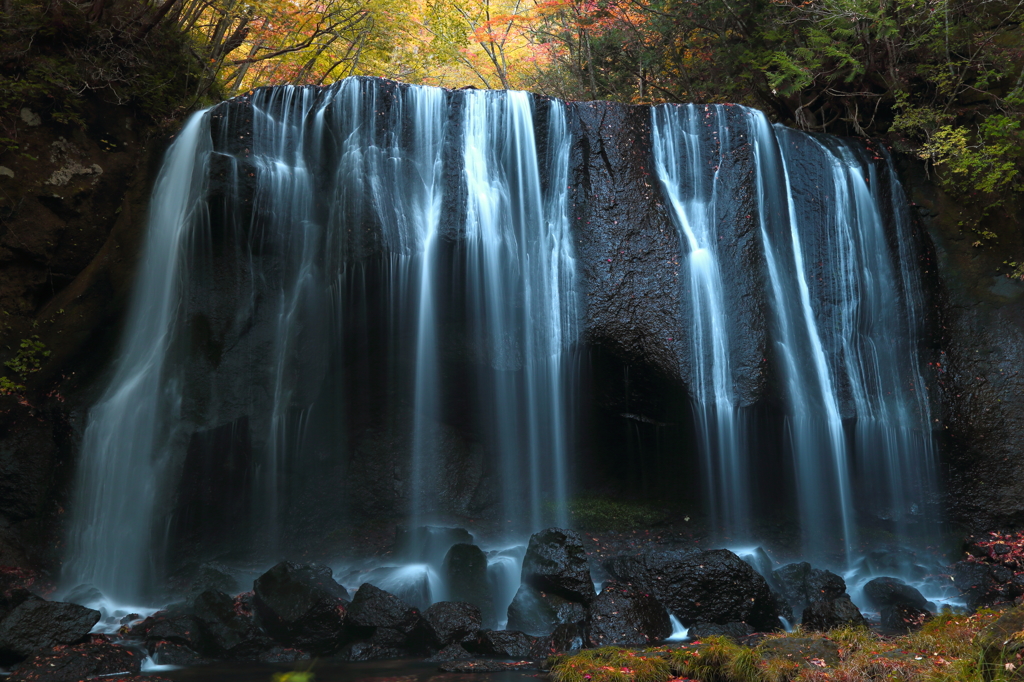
[382, 624]
[505, 644]
[983, 584]
[623, 616]
[302, 606]
[825, 615]
[35, 624]
[465, 572]
[801, 584]
[168, 626]
[713, 586]
[556, 562]
[11, 600]
[449, 622]
[903, 617]
[883, 592]
[225, 629]
[538, 613]
[94, 660]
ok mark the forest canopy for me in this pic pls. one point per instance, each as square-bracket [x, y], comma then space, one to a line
[941, 79]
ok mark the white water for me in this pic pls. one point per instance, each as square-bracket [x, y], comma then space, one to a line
[815, 426]
[693, 199]
[125, 448]
[679, 633]
[330, 166]
[522, 299]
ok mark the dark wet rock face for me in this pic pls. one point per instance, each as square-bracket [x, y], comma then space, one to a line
[556, 562]
[465, 572]
[226, 631]
[983, 584]
[539, 613]
[624, 616]
[883, 592]
[800, 584]
[301, 606]
[164, 626]
[903, 617]
[505, 644]
[36, 624]
[372, 609]
[825, 615]
[451, 623]
[714, 586]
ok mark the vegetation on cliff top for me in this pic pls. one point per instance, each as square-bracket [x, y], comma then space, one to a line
[941, 79]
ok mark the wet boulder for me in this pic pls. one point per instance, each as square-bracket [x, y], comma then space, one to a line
[567, 638]
[623, 616]
[373, 610]
[168, 626]
[210, 578]
[556, 562]
[983, 584]
[538, 613]
[902, 617]
[36, 624]
[465, 572]
[452, 652]
[624, 568]
[225, 630]
[800, 584]
[734, 631]
[505, 644]
[11, 600]
[713, 586]
[825, 615]
[302, 606]
[450, 622]
[883, 592]
[80, 662]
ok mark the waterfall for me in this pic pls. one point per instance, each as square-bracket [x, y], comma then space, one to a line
[522, 293]
[846, 332]
[689, 177]
[305, 273]
[125, 448]
[364, 301]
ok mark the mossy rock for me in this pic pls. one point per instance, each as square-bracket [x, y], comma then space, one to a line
[801, 649]
[1002, 645]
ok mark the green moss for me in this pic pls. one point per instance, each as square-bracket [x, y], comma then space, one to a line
[605, 513]
[610, 664]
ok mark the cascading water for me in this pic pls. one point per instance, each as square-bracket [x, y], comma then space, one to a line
[815, 428]
[378, 283]
[845, 304]
[522, 294]
[125, 449]
[689, 177]
[284, 276]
